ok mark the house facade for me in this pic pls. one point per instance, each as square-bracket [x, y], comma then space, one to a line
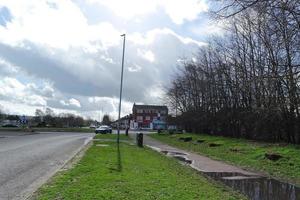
[148, 117]
[124, 122]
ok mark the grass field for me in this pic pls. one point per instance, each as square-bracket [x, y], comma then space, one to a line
[244, 153]
[131, 173]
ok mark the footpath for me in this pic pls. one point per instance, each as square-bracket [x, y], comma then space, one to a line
[254, 185]
[198, 162]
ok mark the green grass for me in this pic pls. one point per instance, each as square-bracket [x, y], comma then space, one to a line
[139, 174]
[244, 153]
[111, 136]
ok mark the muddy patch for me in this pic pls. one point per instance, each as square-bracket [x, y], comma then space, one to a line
[186, 139]
[214, 145]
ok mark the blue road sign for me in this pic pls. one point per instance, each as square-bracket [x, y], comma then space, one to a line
[23, 119]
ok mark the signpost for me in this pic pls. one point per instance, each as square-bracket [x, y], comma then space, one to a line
[23, 121]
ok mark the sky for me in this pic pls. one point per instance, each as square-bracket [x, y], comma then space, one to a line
[66, 55]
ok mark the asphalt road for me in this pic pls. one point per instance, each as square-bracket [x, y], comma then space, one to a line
[27, 160]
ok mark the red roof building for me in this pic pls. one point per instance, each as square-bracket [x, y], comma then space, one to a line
[148, 116]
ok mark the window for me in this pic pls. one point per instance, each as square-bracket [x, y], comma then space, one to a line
[139, 118]
[139, 111]
[148, 118]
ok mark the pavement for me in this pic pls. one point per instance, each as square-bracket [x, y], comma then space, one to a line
[253, 185]
[196, 161]
[29, 159]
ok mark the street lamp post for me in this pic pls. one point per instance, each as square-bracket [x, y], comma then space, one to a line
[121, 88]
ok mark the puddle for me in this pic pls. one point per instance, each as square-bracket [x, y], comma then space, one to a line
[179, 156]
[257, 188]
[164, 152]
[173, 153]
[183, 159]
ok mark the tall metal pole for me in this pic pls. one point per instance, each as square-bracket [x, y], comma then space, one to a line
[121, 88]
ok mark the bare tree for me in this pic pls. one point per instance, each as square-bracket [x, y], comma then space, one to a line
[246, 84]
[106, 120]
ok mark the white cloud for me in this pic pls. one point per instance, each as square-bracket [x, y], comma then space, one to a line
[130, 8]
[63, 26]
[108, 105]
[25, 109]
[155, 93]
[147, 55]
[74, 72]
[63, 102]
[53, 55]
[71, 102]
[180, 10]
[177, 10]
[9, 85]
[47, 90]
[134, 68]
[151, 36]
[18, 108]
[210, 28]
[15, 91]
[7, 67]
[74, 102]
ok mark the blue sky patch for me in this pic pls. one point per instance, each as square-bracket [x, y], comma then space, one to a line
[5, 16]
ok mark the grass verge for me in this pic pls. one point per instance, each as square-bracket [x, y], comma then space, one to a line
[131, 173]
[111, 136]
[244, 153]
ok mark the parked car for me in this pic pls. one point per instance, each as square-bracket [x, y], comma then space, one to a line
[173, 129]
[92, 126]
[103, 129]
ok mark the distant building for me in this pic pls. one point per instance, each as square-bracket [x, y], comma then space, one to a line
[10, 123]
[148, 117]
[124, 122]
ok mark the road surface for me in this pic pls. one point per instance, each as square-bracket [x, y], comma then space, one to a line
[27, 160]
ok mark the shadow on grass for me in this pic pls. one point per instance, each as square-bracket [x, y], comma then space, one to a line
[119, 160]
[117, 167]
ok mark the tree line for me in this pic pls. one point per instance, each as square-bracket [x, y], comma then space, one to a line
[48, 118]
[246, 82]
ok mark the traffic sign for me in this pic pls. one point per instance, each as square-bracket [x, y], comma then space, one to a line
[23, 119]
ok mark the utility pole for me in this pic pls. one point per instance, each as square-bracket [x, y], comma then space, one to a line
[121, 88]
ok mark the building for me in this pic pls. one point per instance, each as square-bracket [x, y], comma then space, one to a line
[148, 117]
[124, 122]
[10, 123]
